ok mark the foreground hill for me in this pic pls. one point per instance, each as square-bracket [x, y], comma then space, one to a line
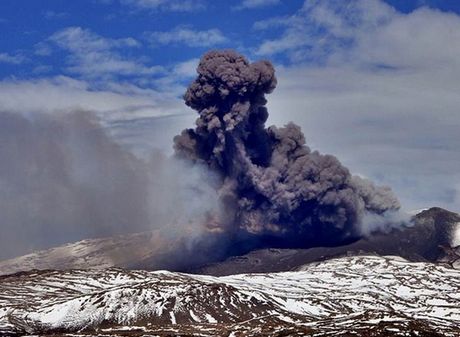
[367, 295]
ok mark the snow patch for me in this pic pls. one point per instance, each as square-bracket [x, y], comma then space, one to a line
[341, 288]
[194, 317]
[417, 211]
[173, 317]
[210, 318]
[456, 235]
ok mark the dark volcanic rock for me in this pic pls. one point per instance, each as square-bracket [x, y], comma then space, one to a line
[429, 239]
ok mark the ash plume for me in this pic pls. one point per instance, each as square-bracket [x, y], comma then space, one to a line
[272, 185]
[233, 184]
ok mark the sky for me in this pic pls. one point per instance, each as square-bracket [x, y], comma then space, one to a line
[375, 83]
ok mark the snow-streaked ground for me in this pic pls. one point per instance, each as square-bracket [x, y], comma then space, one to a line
[364, 289]
[90, 253]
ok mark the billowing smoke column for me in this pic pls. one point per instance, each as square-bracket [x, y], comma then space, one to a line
[64, 178]
[272, 184]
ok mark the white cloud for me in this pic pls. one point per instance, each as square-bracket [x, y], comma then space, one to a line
[92, 55]
[179, 76]
[365, 33]
[188, 36]
[379, 89]
[79, 39]
[42, 49]
[139, 118]
[61, 93]
[166, 5]
[186, 69]
[320, 27]
[424, 38]
[41, 69]
[11, 59]
[249, 4]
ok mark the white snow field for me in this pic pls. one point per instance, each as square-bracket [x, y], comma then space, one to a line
[350, 292]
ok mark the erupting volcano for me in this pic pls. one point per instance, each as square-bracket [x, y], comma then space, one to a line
[272, 185]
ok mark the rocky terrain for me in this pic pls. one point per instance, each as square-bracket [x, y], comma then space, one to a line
[362, 296]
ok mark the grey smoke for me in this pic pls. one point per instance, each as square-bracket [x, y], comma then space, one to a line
[63, 179]
[272, 183]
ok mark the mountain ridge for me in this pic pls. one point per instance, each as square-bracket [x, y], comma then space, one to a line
[429, 239]
[364, 295]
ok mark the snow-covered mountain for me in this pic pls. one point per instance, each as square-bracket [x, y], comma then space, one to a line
[364, 295]
[434, 237]
[364, 288]
[121, 250]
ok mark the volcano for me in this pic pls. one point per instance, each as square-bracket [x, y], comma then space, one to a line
[431, 238]
[287, 240]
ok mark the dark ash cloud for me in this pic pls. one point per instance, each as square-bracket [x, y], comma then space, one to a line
[272, 184]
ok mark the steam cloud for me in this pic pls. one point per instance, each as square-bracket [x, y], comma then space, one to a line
[272, 184]
[64, 179]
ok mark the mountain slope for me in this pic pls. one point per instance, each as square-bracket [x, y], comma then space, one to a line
[343, 295]
[123, 250]
[434, 237]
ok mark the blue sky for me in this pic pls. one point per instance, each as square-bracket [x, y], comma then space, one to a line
[29, 25]
[373, 82]
[29, 46]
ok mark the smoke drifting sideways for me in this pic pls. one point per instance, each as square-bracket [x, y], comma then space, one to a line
[274, 188]
[63, 178]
